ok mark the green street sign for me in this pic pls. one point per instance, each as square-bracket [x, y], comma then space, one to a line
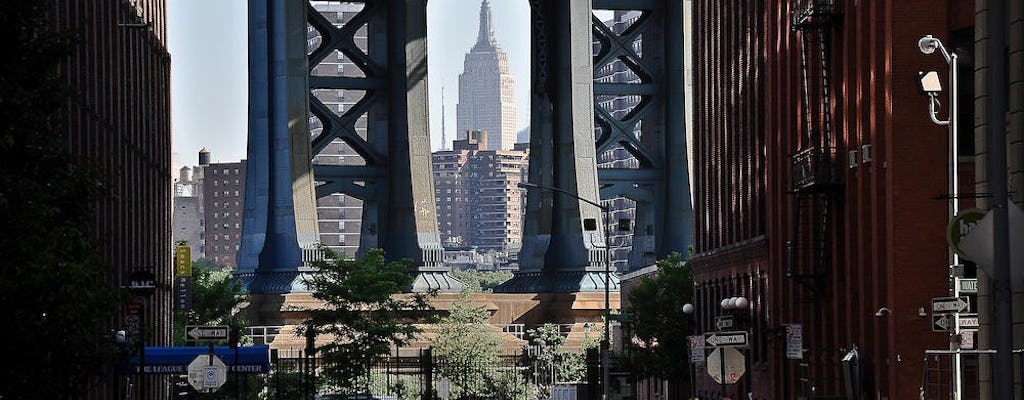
[961, 225]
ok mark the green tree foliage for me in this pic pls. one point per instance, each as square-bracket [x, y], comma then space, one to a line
[467, 349]
[659, 323]
[481, 281]
[216, 296]
[55, 293]
[365, 313]
[555, 361]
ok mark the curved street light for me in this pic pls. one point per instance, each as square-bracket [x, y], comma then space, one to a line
[605, 345]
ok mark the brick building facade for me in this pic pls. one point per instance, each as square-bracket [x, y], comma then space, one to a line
[818, 196]
[119, 117]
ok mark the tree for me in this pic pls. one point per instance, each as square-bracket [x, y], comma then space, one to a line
[467, 349]
[216, 296]
[660, 328]
[364, 313]
[56, 295]
[481, 281]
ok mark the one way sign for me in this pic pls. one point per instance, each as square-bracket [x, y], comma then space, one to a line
[207, 332]
[950, 304]
[726, 339]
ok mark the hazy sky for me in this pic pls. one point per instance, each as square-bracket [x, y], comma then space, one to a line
[207, 42]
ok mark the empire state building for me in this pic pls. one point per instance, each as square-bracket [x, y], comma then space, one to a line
[487, 89]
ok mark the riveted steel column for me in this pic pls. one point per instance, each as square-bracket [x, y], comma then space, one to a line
[557, 255]
[410, 228]
[279, 210]
[674, 208]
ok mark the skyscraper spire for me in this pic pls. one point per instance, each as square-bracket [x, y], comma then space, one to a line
[485, 39]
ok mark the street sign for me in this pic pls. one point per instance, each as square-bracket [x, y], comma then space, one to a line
[968, 285]
[142, 283]
[207, 332]
[969, 321]
[941, 323]
[206, 374]
[967, 340]
[697, 349]
[794, 342]
[950, 304]
[725, 322]
[726, 339]
[729, 369]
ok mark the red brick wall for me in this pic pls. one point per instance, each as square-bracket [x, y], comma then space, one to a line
[884, 245]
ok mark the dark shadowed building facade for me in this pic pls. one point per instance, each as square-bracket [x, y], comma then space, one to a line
[119, 117]
[819, 190]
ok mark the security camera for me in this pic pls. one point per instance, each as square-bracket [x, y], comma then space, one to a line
[929, 82]
[928, 44]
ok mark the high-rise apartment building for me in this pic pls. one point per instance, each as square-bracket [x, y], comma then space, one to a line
[339, 216]
[487, 98]
[187, 216]
[208, 204]
[223, 201]
[478, 198]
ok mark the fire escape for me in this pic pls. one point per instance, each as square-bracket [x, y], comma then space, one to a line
[816, 181]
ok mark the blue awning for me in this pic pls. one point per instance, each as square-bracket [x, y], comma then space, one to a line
[175, 360]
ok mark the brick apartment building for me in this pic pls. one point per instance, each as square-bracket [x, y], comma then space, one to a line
[479, 202]
[819, 195]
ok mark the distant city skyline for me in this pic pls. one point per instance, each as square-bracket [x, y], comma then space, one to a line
[207, 42]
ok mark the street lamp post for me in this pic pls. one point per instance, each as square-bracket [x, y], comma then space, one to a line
[688, 311]
[929, 84]
[605, 345]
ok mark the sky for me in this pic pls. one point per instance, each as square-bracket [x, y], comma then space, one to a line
[207, 41]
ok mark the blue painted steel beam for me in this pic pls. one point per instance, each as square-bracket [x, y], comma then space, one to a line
[625, 89]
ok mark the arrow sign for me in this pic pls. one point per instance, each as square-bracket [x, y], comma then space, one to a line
[726, 339]
[207, 332]
[941, 323]
[949, 304]
[724, 322]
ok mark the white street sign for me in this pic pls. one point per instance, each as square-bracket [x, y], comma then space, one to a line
[794, 342]
[725, 322]
[969, 321]
[206, 376]
[734, 365]
[207, 332]
[967, 340]
[697, 349]
[968, 285]
[726, 339]
[950, 304]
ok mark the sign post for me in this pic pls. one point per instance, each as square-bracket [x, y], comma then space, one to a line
[207, 373]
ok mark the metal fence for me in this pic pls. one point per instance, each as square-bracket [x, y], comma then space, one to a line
[417, 375]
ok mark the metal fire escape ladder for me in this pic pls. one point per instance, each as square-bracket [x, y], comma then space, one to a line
[815, 178]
